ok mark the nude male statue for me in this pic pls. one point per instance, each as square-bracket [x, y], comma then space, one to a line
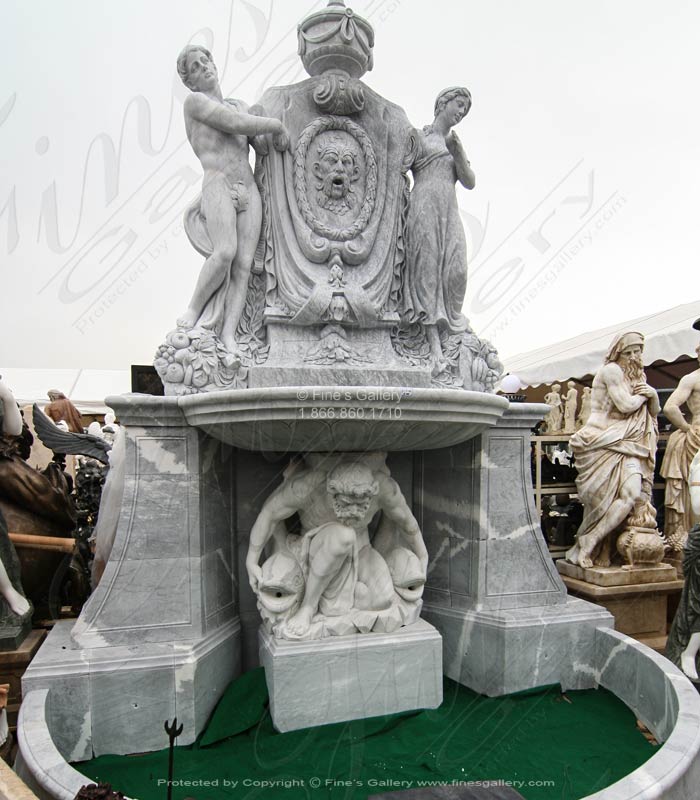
[682, 446]
[336, 504]
[616, 449]
[218, 131]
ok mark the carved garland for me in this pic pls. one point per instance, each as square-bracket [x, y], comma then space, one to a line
[309, 133]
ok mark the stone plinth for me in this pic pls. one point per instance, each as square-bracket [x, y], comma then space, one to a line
[116, 699]
[493, 591]
[676, 561]
[618, 576]
[297, 358]
[160, 636]
[640, 610]
[352, 677]
[501, 652]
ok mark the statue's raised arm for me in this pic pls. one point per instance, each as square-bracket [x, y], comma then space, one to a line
[223, 224]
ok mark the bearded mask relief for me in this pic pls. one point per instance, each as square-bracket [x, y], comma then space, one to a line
[336, 171]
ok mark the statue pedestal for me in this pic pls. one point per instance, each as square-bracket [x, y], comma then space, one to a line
[161, 634]
[676, 561]
[329, 355]
[640, 610]
[342, 678]
[493, 591]
[618, 576]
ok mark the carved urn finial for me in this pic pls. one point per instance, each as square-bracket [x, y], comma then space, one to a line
[336, 39]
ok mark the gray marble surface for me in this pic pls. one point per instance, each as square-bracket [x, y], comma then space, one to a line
[160, 636]
[667, 702]
[39, 762]
[499, 652]
[657, 692]
[115, 699]
[352, 677]
[170, 574]
[323, 418]
[474, 505]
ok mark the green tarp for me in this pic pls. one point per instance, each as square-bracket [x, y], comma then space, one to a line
[547, 745]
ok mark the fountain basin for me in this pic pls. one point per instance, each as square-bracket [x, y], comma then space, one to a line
[656, 691]
[348, 418]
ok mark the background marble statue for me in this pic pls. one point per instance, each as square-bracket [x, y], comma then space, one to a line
[331, 580]
[683, 642]
[32, 500]
[10, 587]
[218, 131]
[585, 410]
[436, 259]
[682, 446]
[553, 419]
[570, 401]
[60, 409]
[616, 449]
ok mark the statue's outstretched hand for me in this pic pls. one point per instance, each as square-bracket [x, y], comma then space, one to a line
[254, 576]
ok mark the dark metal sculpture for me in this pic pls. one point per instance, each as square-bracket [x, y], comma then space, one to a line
[75, 444]
[173, 732]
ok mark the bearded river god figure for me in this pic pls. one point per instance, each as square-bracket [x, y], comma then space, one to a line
[323, 267]
[331, 579]
[615, 452]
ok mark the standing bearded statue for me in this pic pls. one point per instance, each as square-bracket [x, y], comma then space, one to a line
[682, 446]
[615, 452]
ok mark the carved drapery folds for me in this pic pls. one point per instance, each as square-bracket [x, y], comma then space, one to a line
[334, 206]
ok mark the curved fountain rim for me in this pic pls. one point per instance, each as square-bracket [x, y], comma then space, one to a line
[659, 777]
[451, 397]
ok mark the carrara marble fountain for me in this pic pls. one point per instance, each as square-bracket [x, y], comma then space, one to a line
[330, 477]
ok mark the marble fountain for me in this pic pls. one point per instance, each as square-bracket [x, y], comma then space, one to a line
[330, 473]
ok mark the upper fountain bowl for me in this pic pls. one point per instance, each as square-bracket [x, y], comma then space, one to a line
[347, 418]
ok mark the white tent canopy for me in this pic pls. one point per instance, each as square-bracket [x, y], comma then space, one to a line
[87, 388]
[668, 337]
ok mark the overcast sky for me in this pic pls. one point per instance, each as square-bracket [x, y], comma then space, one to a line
[583, 136]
